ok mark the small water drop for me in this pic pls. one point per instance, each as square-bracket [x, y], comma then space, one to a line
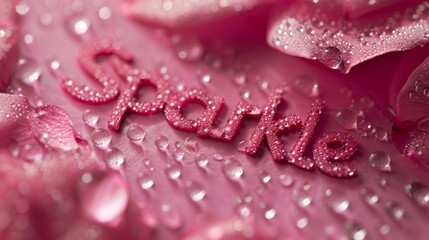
[178, 154]
[22, 8]
[302, 222]
[81, 26]
[355, 231]
[136, 133]
[307, 85]
[245, 209]
[195, 191]
[331, 57]
[101, 137]
[302, 196]
[161, 142]
[170, 217]
[232, 169]
[191, 144]
[28, 71]
[187, 48]
[146, 182]
[347, 119]
[270, 213]
[336, 201]
[395, 210]
[217, 157]
[90, 118]
[418, 191]
[380, 161]
[265, 177]
[285, 180]
[32, 152]
[104, 13]
[201, 161]
[369, 197]
[114, 158]
[380, 133]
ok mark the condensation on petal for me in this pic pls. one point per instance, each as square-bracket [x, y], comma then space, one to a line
[315, 32]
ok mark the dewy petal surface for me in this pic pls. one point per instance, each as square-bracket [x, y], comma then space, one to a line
[328, 35]
[8, 41]
[52, 126]
[187, 12]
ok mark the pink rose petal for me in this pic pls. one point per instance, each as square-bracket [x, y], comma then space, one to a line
[8, 42]
[314, 32]
[413, 98]
[52, 126]
[13, 110]
[187, 12]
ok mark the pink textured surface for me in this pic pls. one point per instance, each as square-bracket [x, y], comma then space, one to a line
[51, 198]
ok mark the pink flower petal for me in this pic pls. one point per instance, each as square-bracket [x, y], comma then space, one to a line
[13, 110]
[314, 32]
[413, 98]
[187, 12]
[52, 126]
[8, 42]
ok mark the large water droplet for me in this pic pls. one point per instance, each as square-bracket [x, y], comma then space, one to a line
[136, 133]
[331, 57]
[28, 71]
[161, 142]
[418, 191]
[188, 48]
[380, 161]
[114, 158]
[201, 161]
[101, 137]
[170, 217]
[232, 169]
[347, 118]
[90, 118]
[173, 171]
[195, 191]
[103, 196]
[307, 85]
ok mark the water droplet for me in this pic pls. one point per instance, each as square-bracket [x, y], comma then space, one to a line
[347, 118]
[379, 133]
[114, 158]
[104, 13]
[170, 217]
[103, 196]
[161, 142]
[307, 85]
[385, 229]
[146, 182]
[80, 26]
[28, 71]
[232, 169]
[270, 213]
[331, 57]
[369, 197]
[191, 144]
[178, 154]
[418, 191]
[355, 231]
[217, 157]
[285, 180]
[202, 161]
[188, 48]
[195, 191]
[395, 210]
[22, 8]
[264, 177]
[136, 133]
[245, 209]
[302, 222]
[424, 124]
[206, 78]
[90, 118]
[173, 171]
[101, 137]
[336, 201]
[380, 161]
[302, 196]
